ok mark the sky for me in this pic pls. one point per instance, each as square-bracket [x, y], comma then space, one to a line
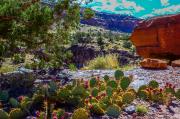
[137, 8]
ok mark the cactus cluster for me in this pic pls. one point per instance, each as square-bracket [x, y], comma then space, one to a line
[118, 74]
[113, 111]
[128, 98]
[80, 113]
[125, 82]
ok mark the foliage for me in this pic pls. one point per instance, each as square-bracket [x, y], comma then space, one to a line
[3, 114]
[113, 111]
[16, 113]
[80, 114]
[125, 82]
[104, 62]
[141, 109]
[88, 13]
[4, 95]
[118, 74]
[18, 58]
[153, 84]
[128, 98]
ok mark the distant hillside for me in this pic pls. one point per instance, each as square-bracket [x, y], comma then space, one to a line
[115, 22]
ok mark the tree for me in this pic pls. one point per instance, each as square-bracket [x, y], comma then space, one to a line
[31, 25]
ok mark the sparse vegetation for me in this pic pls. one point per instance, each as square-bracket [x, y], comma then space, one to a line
[104, 62]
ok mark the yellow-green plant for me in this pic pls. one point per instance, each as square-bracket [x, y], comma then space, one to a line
[3, 114]
[103, 62]
[80, 113]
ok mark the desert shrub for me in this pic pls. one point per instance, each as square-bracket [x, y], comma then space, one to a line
[127, 44]
[104, 62]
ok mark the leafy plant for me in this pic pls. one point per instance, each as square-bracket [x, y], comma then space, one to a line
[141, 109]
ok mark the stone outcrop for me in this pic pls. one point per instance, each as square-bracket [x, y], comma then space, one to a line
[158, 37]
[154, 63]
[176, 63]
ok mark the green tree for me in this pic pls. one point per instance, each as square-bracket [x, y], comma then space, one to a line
[32, 25]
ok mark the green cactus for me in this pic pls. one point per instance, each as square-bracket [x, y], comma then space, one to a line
[74, 100]
[128, 98]
[93, 82]
[118, 101]
[177, 94]
[113, 111]
[170, 90]
[97, 109]
[157, 97]
[93, 100]
[80, 113]
[143, 87]
[143, 94]
[4, 95]
[125, 82]
[141, 109]
[3, 114]
[118, 74]
[79, 91]
[94, 92]
[26, 105]
[153, 84]
[109, 91]
[14, 103]
[37, 101]
[63, 94]
[106, 78]
[16, 113]
[59, 113]
[112, 84]
[102, 87]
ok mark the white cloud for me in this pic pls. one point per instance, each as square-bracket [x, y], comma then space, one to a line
[171, 9]
[164, 11]
[165, 2]
[130, 4]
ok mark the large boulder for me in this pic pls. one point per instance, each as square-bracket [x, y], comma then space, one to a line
[158, 37]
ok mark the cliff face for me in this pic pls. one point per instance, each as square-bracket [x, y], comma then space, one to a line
[122, 23]
[158, 37]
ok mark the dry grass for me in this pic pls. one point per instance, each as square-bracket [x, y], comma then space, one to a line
[103, 62]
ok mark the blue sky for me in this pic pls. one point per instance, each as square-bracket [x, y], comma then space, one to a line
[137, 8]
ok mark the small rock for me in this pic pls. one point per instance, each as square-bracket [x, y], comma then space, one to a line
[130, 109]
[154, 63]
[175, 63]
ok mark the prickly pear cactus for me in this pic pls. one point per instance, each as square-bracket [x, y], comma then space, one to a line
[96, 109]
[113, 111]
[118, 101]
[125, 82]
[127, 98]
[94, 92]
[109, 91]
[80, 113]
[143, 94]
[4, 95]
[153, 84]
[63, 94]
[14, 103]
[143, 87]
[118, 74]
[177, 94]
[93, 82]
[26, 105]
[3, 114]
[106, 78]
[79, 91]
[16, 113]
[112, 84]
[59, 113]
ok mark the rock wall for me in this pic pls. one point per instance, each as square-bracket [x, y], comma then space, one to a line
[158, 37]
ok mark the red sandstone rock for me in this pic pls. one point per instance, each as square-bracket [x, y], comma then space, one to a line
[154, 63]
[176, 63]
[158, 37]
